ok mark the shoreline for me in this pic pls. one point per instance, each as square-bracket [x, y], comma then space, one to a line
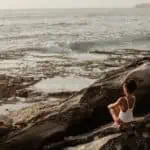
[44, 123]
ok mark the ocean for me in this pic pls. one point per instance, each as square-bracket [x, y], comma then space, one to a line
[67, 50]
[50, 43]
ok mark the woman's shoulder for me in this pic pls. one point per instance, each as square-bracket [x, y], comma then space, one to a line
[125, 98]
[122, 98]
[132, 98]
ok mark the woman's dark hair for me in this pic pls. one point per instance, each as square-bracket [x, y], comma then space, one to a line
[130, 85]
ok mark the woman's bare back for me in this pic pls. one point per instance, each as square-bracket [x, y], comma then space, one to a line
[127, 103]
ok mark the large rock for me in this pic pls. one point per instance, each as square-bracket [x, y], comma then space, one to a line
[134, 136]
[46, 126]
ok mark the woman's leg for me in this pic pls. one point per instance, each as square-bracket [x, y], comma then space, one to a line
[115, 115]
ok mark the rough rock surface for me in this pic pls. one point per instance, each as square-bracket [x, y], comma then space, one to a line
[133, 136]
[49, 126]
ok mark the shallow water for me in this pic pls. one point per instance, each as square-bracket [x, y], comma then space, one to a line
[59, 84]
[8, 108]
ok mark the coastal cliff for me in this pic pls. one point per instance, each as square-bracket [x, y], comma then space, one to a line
[78, 119]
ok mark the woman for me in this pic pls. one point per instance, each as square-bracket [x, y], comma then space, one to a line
[122, 109]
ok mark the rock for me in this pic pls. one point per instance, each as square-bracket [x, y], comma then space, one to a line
[4, 130]
[10, 85]
[133, 136]
[5, 120]
[96, 144]
[50, 126]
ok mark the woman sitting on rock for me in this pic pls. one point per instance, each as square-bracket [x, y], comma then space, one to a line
[122, 109]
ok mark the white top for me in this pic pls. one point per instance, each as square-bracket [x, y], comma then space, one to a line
[128, 115]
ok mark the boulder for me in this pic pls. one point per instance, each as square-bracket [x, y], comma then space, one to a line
[133, 136]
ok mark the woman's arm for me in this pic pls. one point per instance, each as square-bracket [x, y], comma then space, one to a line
[114, 109]
[113, 105]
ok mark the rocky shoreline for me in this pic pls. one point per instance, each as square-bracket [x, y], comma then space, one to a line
[77, 118]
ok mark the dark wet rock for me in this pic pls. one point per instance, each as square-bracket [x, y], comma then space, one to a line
[82, 115]
[134, 136]
[23, 93]
[10, 86]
